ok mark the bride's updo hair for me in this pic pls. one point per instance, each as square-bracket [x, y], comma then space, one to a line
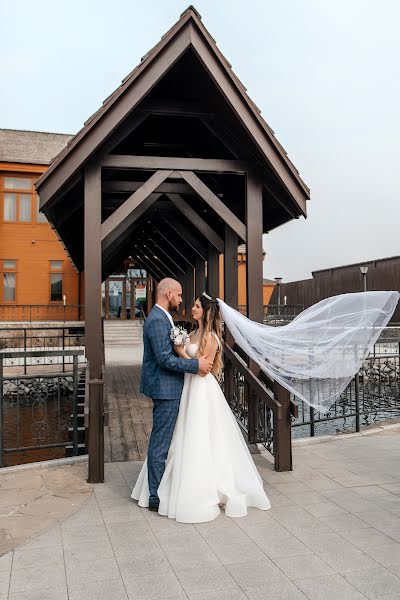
[212, 323]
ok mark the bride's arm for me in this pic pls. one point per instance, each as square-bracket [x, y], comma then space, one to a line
[211, 347]
[180, 350]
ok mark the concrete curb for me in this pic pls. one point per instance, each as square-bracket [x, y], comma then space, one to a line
[57, 462]
[341, 436]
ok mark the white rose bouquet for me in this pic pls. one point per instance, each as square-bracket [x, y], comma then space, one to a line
[179, 336]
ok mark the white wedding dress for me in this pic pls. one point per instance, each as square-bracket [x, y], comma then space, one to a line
[208, 462]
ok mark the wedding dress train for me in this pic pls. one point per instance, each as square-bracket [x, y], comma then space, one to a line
[208, 463]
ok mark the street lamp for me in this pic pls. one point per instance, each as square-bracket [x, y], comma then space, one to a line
[278, 283]
[364, 271]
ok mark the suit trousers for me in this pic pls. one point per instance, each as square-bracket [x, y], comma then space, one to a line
[165, 413]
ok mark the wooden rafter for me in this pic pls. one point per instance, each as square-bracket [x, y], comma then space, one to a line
[197, 221]
[215, 203]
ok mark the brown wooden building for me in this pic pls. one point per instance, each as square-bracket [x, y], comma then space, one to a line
[176, 168]
[34, 266]
[382, 274]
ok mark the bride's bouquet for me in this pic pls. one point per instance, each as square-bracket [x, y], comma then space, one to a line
[179, 336]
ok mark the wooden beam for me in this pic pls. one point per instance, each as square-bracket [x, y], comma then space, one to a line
[185, 254]
[188, 291]
[197, 221]
[147, 242]
[213, 271]
[174, 108]
[254, 274]
[200, 276]
[93, 326]
[166, 270]
[120, 161]
[127, 213]
[188, 236]
[131, 186]
[215, 203]
[231, 268]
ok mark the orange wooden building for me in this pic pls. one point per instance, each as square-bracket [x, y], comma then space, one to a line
[35, 269]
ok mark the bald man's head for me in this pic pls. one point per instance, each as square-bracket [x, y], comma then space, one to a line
[169, 294]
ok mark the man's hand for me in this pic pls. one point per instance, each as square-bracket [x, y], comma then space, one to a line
[205, 366]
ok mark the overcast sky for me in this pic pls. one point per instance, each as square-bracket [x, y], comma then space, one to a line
[324, 72]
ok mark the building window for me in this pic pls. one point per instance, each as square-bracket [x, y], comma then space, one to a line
[40, 217]
[10, 207]
[25, 208]
[18, 183]
[56, 280]
[56, 265]
[18, 195]
[9, 278]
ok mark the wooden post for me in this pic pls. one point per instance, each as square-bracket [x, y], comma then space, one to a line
[200, 282]
[189, 290]
[212, 271]
[230, 274]
[93, 330]
[254, 273]
[283, 432]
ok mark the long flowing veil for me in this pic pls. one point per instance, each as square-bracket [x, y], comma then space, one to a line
[319, 352]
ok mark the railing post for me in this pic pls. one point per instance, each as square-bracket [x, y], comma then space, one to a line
[75, 405]
[312, 421]
[96, 430]
[1, 411]
[357, 394]
[24, 351]
[282, 431]
[63, 347]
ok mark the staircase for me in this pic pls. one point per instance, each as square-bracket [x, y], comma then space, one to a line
[122, 333]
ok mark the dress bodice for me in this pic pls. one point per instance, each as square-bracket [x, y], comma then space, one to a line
[191, 349]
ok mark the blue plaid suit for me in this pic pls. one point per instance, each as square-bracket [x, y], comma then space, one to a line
[162, 381]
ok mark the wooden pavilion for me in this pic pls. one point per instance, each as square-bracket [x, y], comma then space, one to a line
[175, 168]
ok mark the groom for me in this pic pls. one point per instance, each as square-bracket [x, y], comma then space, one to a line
[162, 379]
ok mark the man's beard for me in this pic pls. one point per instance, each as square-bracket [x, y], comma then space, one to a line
[172, 309]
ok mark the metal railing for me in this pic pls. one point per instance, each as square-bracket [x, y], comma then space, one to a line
[51, 339]
[277, 314]
[372, 395]
[261, 406]
[37, 410]
[42, 312]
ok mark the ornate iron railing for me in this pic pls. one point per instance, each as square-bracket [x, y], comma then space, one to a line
[24, 339]
[373, 395]
[37, 412]
[261, 406]
[42, 312]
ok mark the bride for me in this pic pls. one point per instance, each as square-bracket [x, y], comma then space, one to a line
[208, 463]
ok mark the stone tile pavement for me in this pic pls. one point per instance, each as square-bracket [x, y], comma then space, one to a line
[333, 533]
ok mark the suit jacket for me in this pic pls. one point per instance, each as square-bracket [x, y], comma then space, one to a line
[162, 370]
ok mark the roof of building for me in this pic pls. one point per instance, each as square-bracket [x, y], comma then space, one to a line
[190, 16]
[31, 147]
[358, 264]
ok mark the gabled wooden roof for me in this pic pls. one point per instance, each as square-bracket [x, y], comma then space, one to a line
[188, 32]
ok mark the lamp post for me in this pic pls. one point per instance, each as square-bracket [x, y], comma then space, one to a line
[364, 271]
[278, 283]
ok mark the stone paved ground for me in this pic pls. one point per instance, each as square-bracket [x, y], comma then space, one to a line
[333, 533]
[35, 499]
